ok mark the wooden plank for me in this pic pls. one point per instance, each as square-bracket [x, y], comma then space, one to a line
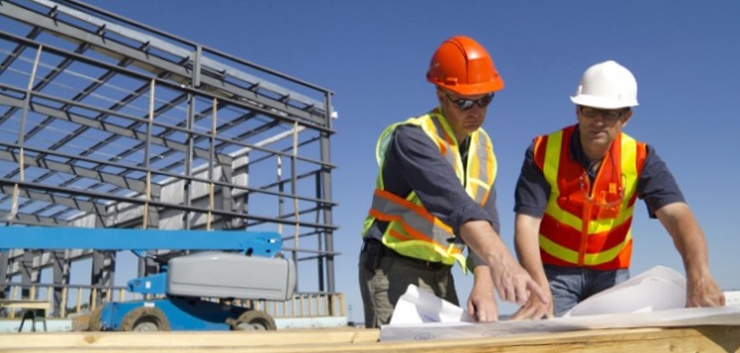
[185, 339]
[25, 304]
[695, 339]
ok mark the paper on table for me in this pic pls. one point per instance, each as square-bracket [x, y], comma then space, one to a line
[654, 298]
[660, 288]
[418, 306]
[684, 317]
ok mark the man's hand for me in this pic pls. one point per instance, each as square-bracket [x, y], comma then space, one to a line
[679, 221]
[513, 283]
[482, 303]
[535, 309]
[703, 291]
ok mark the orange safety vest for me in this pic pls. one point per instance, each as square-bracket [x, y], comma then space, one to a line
[588, 225]
[413, 231]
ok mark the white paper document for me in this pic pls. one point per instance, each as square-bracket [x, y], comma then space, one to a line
[419, 306]
[655, 298]
[660, 288]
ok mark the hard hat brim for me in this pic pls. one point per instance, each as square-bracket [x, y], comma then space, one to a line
[472, 90]
[603, 103]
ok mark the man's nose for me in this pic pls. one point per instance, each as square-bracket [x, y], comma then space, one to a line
[599, 118]
[477, 110]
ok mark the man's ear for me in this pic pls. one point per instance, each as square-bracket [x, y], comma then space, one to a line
[439, 95]
[627, 116]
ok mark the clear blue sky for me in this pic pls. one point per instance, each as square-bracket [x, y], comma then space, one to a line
[374, 55]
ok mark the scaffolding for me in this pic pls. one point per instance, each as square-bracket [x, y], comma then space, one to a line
[106, 122]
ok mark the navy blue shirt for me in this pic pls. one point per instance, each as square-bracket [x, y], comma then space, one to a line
[655, 185]
[413, 162]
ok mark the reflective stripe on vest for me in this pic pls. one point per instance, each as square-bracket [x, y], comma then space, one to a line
[584, 225]
[412, 230]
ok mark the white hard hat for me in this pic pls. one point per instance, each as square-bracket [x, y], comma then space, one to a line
[607, 85]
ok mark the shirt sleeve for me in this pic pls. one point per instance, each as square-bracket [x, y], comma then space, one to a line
[532, 190]
[656, 184]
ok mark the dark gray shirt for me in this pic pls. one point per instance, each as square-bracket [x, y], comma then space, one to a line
[413, 162]
[655, 185]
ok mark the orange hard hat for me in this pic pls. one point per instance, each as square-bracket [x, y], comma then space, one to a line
[463, 66]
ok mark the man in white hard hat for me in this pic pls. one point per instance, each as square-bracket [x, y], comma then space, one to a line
[576, 195]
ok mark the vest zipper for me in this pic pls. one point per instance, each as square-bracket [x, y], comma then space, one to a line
[584, 219]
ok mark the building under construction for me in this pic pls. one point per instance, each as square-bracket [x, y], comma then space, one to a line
[109, 123]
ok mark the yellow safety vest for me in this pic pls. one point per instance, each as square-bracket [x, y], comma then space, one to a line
[413, 231]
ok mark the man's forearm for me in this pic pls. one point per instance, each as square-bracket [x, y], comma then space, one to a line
[688, 238]
[527, 247]
[482, 239]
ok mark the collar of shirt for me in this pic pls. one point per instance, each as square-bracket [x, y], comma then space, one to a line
[464, 147]
[577, 154]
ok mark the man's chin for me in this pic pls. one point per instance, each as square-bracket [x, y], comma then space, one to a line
[599, 140]
[472, 127]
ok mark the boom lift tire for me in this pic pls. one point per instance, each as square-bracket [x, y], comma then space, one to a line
[94, 323]
[145, 319]
[253, 320]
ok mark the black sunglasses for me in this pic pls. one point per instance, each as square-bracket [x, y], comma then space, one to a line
[467, 104]
[608, 115]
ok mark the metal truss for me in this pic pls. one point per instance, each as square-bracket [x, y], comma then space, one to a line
[105, 122]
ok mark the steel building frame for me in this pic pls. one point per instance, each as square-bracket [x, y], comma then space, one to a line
[106, 122]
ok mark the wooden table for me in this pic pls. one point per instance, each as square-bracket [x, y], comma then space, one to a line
[654, 340]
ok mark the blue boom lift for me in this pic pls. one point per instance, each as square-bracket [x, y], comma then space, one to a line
[229, 265]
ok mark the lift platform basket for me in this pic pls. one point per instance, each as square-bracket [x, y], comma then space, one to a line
[227, 275]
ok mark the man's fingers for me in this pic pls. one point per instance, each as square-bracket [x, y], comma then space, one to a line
[541, 312]
[525, 312]
[535, 289]
[713, 301]
[472, 312]
[510, 294]
[506, 293]
[522, 295]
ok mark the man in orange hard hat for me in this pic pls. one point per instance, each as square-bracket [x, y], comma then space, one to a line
[576, 195]
[435, 195]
